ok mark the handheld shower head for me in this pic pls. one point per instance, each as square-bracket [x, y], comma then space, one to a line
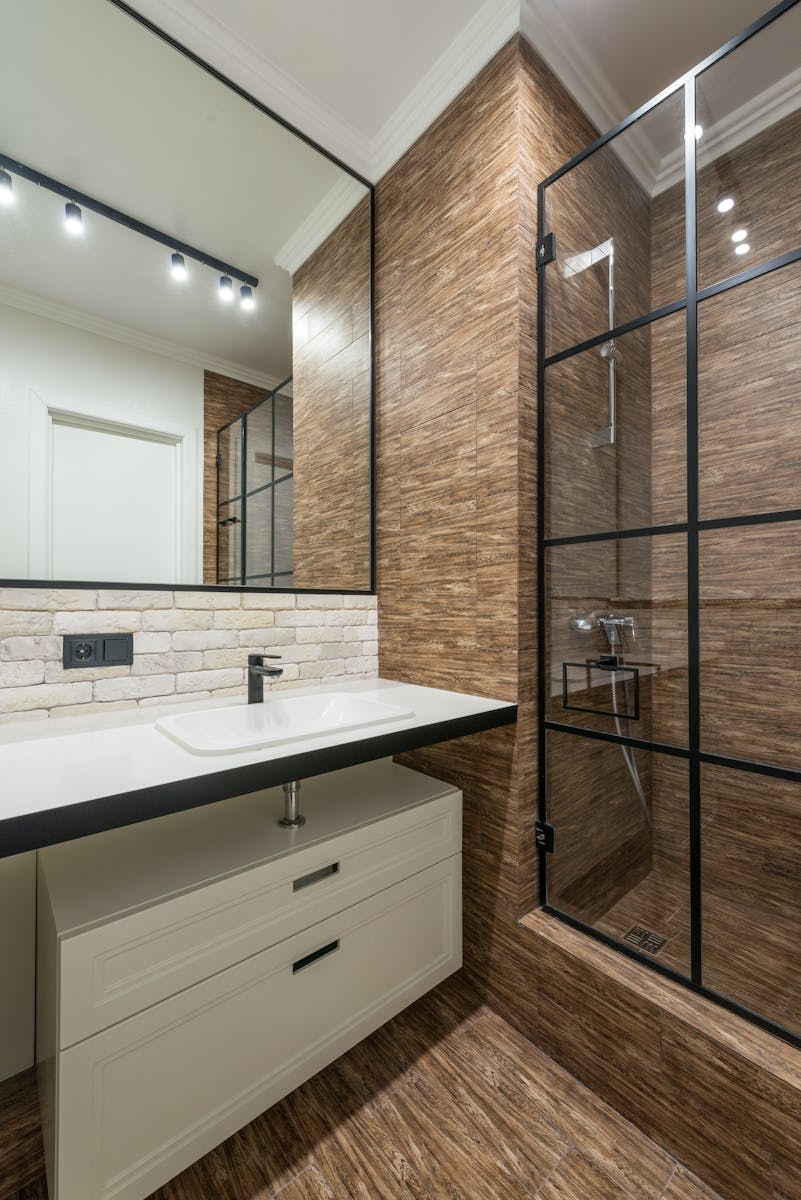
[584, 622]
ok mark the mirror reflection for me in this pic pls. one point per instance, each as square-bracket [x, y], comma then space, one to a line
[185, 384]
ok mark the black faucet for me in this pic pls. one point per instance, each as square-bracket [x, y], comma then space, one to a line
[257, 673]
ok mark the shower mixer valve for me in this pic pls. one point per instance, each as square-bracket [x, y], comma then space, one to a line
[616, 629]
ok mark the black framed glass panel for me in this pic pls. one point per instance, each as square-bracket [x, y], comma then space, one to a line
[752, 903]
[229, 542]
[612, 805]
[615, 416]
[605, 219]
[750, 587]
[749, 383]
[617, 637]
[749, 153]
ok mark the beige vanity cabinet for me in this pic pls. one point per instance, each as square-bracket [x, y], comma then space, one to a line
[194, 969]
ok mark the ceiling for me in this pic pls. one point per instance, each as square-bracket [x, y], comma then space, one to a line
[366, 77]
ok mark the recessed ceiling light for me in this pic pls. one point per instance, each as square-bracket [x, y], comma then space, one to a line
[246, 298]
[178, 266]
[699, 132]
[226, 287]
[73, 218]
[6, 188]
[725, 205]
[739, 235]
[743, 248]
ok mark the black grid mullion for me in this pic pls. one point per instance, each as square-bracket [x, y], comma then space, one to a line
[693, 583]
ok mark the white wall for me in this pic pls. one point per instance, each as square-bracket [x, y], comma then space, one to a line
[45, 363]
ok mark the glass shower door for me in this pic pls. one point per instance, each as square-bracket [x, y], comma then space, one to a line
[669, 538]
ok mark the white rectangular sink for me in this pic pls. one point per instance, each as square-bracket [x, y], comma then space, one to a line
[279, 719]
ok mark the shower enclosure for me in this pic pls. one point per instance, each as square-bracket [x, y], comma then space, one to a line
[255, 491]
[669, 541]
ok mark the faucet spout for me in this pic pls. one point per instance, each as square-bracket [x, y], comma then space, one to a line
[257, 673]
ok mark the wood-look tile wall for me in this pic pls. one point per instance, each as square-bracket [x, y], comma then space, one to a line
[224, 399]
[456, 301]
[331, 388]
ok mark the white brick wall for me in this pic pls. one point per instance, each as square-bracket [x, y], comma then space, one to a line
[187, 645]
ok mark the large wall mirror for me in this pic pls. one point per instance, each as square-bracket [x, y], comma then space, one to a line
[185, 322]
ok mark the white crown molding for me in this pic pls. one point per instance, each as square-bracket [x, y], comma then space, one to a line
[473, 47]
[542, 24]
[740, 125]
[210, 38]
[324, 218]
[38, 306]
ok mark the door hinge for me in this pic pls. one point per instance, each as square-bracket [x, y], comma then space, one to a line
[546, 250]
[546, 836]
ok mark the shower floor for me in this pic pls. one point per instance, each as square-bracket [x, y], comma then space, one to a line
[752, 953]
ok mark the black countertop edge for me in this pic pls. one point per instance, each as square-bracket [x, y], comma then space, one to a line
[33, 831]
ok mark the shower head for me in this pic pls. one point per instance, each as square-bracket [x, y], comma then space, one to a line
[584, 622]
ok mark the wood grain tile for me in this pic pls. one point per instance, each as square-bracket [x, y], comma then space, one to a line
[331, 377]
[21, 1150]
[446, 1100]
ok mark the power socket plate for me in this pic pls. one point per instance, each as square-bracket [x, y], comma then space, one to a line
[97, 650]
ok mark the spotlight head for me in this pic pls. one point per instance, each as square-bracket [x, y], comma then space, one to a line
[6, 187]
[73, 218]
[226, 289]
[246, 298]
[725, 205]
[178, 266]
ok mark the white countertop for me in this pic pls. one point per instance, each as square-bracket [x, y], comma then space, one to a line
[68, 761]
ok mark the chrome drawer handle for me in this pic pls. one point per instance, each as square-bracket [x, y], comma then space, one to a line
[315, 876]
[315, 955]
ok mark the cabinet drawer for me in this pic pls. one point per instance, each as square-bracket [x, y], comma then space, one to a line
[111, 971]
[141, 1101]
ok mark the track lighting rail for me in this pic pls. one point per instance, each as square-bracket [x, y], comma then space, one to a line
[114, 214]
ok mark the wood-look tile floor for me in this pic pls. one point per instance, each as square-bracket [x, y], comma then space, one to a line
[446, 1101]
[751, 947]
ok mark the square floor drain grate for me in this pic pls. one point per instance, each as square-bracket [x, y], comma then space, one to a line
[645, 940]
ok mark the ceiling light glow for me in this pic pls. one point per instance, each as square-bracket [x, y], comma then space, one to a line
[226, 289]
[6, 188]
[178, 267]
[743, 248]
[739, 235]
[73, 219]
[246, 298]
[725, 205]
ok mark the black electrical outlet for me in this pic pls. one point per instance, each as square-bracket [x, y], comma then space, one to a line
[98, 650]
